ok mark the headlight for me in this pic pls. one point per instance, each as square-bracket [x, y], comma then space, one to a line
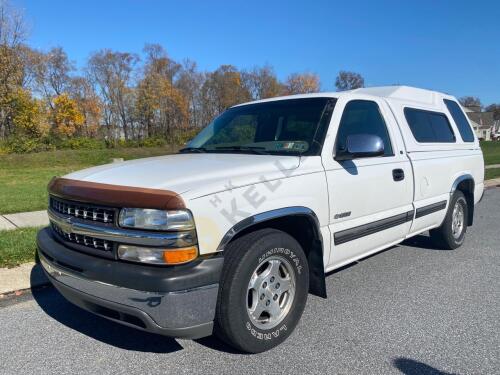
[153, 255]
[143, 218]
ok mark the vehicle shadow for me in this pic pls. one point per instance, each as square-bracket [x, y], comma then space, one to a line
[212, 342]
[422, 242]
[411, 367]
[101, 329]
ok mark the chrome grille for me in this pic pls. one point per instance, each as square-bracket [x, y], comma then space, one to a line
[91, 242]
[83, 211]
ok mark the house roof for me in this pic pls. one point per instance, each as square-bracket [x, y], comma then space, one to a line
[484, 119]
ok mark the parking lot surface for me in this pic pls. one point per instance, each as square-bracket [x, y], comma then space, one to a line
[411, 309]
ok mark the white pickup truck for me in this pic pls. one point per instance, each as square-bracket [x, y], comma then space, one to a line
[231, 234]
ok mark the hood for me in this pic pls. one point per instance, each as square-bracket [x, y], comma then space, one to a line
[200, 174]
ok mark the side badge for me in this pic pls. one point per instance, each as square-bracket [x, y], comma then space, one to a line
[342, 215]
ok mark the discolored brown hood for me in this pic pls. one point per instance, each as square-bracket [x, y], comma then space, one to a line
[114, 195]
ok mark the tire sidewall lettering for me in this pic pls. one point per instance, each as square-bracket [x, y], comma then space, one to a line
[263, 335]
[295, 260]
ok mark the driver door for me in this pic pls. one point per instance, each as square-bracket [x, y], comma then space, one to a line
[371, 197]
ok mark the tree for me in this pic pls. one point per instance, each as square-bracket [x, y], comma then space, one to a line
[111, 72]
[12, 35]
[88, 102]
[222, 89]
[158, 62]
[190, 82]
[349, 81]
[301, 84]
[470, 101]
[495, 108]
[52, 73]
[160, 107]
[262, 82]
[66, 119]
[26, 115]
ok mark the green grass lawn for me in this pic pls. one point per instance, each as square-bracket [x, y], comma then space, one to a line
[17, 246]
[491, 152]
[24, 177]
[491, 173]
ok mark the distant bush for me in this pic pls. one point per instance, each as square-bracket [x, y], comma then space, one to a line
[145, 142]
[20, 144]
[23, 144]
[80, 143]
[182, 137]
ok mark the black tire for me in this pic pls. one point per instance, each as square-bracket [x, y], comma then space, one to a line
[233, 323]
[443, 236]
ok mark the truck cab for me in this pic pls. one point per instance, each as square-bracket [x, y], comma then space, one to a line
[231, 234]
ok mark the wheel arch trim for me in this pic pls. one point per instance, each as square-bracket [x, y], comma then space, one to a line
[266, 216]
[461, 178]
[317, 284]
[470, 200]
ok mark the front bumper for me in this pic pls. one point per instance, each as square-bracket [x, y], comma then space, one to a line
[173, 301]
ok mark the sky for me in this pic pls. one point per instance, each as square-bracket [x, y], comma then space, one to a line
[449, 46]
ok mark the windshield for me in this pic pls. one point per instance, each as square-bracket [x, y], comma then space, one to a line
[285, 127]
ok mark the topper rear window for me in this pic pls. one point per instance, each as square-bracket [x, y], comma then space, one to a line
[429, 126]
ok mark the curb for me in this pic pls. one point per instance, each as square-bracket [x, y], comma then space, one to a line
[25, 276]
[495, 182]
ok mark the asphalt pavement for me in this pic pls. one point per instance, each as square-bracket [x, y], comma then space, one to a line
[411, 309]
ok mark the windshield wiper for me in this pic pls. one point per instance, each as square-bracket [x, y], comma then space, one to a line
[193, 149]
[253, 149]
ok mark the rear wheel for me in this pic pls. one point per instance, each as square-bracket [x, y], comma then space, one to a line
[263, 290]
[451, 234]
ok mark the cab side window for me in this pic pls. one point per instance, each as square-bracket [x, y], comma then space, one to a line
[363, 117]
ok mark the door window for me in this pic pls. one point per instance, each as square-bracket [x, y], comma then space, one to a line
[363, 117]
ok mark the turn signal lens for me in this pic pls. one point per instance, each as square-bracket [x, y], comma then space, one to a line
[178, 256]
[153, 255]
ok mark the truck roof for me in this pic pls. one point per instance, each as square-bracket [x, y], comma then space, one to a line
[400, 93]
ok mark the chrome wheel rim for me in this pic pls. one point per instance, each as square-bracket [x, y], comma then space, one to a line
[271, 291]
[458, 218]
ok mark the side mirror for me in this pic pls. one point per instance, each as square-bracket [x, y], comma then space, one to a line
[360, 146]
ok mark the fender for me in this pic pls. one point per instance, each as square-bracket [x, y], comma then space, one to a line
[317, 284]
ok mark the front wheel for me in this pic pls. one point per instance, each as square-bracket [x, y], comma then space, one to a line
[263, 290]
[451, 234]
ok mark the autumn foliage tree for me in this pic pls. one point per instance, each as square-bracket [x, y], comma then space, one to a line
[65, 117]
[222, 89]
[160, 106]
[26, 115]
[262, 82]
[303, 83]
[88, 103]
[12, 35]
[111, 73]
